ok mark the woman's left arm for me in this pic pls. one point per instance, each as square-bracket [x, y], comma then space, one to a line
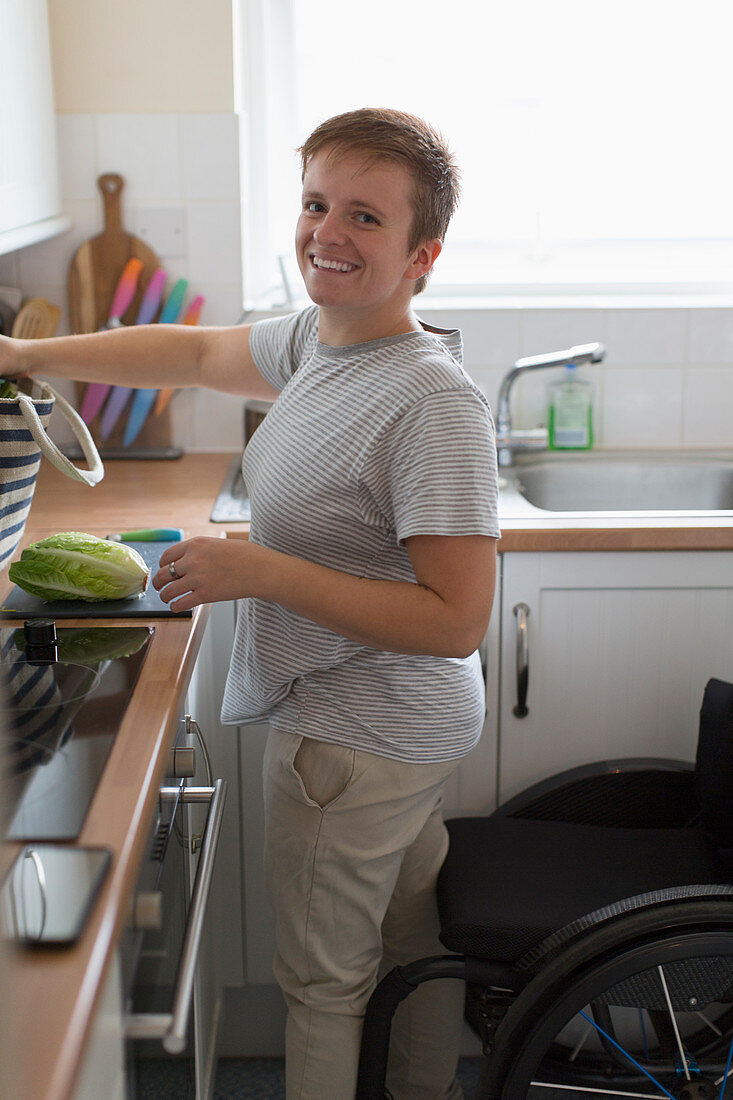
[444, 614]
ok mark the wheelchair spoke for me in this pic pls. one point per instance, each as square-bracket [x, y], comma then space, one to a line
[652, 1022]
[627, 1055]
[723, 1081]
[673, 1018]
[710, 1024]
[586, 1090]
[580, 1043]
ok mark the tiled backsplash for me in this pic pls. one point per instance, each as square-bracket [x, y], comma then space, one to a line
[667, 380]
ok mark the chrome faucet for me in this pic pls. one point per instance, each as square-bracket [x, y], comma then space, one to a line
[509, 440]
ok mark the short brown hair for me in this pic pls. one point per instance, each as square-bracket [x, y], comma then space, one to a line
[394, 135]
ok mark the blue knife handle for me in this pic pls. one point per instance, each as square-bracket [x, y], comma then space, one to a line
[140, 408]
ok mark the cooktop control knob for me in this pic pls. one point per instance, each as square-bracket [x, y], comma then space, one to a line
[40, 641]
[183, 763]
[147, 911]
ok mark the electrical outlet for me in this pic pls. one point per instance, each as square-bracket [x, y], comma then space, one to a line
[163, 228]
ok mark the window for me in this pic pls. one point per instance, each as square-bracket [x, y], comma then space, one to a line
[593, 137]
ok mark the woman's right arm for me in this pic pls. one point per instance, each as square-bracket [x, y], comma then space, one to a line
[144, 356]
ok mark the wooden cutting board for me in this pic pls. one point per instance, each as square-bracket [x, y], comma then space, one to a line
[98, 263]
[93, 276]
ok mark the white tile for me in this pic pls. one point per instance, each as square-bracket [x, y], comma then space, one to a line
[530, 395]
[77, 163]
[647, 336]
[546, 330]
[47, 263]
[182, 414]
[217, 422]
[491, 337]
[145, 151]
[223, 305]
[488, 380]
[209, 156]
[9, 269]
[711, 336]
[708, 407]
[214, 245]
[642, 407]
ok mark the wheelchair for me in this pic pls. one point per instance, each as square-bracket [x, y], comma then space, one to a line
[591, 918]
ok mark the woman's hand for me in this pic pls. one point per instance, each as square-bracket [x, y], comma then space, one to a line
[208, 570]
[445, 613]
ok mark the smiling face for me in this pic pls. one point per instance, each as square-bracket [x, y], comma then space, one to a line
[352, 246]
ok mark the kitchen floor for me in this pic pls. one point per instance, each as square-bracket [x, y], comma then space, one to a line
[264, 1078]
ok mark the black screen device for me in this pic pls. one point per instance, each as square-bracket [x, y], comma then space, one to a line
[49, 892]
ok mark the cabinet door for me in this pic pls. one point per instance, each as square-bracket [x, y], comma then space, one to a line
[472, 787]
[621, 646]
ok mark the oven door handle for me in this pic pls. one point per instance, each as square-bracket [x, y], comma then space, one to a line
[172, 1027]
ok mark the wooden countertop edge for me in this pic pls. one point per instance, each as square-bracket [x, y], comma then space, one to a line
[558, 539]
[73, 977]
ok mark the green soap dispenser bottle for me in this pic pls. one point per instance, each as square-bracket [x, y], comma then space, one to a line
[571, 413]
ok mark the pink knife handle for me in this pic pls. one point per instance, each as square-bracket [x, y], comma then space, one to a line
[125, 288]
[94, 396]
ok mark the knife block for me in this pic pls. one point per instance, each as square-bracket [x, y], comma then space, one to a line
[154, 440]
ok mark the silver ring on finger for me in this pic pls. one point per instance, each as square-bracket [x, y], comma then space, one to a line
[172, 571]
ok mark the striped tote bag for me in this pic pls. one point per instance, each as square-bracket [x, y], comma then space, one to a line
[23, 442]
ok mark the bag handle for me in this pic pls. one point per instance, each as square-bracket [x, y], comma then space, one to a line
[95, 473]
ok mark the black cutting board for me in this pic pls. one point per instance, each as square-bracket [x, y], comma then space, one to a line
[21, 605]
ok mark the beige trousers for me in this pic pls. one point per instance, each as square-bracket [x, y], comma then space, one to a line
[353, 846]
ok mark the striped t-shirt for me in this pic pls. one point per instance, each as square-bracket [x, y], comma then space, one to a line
[364, 446]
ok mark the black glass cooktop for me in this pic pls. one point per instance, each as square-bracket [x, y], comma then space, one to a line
[61, 706]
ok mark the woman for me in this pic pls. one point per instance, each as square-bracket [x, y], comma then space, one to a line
[364, 589]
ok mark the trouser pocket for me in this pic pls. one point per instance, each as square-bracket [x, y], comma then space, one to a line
[324, 770]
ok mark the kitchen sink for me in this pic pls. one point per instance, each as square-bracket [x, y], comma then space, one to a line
[631, 482]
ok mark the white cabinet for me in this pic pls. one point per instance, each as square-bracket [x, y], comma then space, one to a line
[621, 646]
[102, 1072]
[30, 198]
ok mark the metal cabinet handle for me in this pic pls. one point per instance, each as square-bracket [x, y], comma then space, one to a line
[172, 1026]
[521, 611]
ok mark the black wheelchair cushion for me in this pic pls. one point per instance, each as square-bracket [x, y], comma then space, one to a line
[714, 762]
[508, 883]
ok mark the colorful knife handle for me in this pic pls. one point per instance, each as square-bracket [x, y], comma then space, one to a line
[192, 318]
[148, 308]
[96, 392]
[151, 299]
[94, 396]
[126, 288]
[140, 408]
[149, 534]
[172, 307]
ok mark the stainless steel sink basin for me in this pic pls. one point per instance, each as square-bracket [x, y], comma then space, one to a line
[600, 482]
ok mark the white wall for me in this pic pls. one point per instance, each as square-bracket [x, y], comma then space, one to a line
[142, 56]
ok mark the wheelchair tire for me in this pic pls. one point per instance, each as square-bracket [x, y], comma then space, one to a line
[600, 1019]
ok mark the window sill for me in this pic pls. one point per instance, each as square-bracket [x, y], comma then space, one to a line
[449, 303]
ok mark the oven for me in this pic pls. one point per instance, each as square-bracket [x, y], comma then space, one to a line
[63, 694]
[172, 993]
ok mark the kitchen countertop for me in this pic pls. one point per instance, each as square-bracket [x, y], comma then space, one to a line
[54, 993]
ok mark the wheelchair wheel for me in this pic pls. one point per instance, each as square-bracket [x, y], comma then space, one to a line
[628, 1012]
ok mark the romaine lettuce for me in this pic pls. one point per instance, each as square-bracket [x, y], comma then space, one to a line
[76, 566]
